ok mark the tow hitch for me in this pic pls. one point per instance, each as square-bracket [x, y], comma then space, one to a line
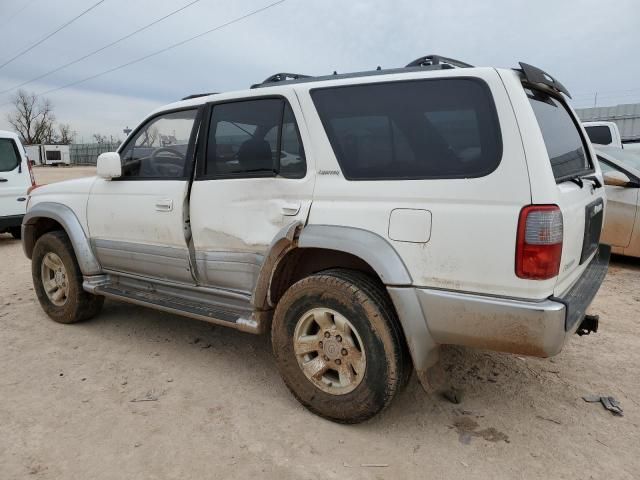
[589, 324]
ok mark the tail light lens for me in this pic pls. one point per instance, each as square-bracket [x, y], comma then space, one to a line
[539, 242]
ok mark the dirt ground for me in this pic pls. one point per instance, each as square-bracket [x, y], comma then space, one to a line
[136, 393]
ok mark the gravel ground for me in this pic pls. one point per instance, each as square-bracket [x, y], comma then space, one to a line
[136, 393]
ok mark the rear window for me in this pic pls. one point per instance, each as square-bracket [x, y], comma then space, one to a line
[445, 128]
[561, 136]
[599, 134]
[9, 157]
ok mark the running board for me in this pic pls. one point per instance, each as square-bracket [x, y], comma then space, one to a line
[239, 318]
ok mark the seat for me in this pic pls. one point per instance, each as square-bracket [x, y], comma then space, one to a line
[255, 155]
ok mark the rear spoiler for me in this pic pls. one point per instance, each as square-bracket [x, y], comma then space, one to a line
[535, 76]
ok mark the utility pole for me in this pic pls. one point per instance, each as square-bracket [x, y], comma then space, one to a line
[595, 100]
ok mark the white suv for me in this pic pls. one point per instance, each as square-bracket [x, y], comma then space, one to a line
[16, 178]
[361, 219]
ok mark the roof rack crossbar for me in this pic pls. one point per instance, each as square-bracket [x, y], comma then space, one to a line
[429, 60]
[197, 95]
[281, 77]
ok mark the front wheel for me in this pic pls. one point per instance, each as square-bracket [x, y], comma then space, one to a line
[338, 346]
[57, 280]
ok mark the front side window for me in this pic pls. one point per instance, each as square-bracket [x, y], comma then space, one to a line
[254, 138]
[159, 149]
[599, 134]
[561, 136]
[9, 156]
[412, 129]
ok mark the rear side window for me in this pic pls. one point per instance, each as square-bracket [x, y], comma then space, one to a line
[413, 129]
[254, 138]
[9, 156]
[599, 134]
[561, 136]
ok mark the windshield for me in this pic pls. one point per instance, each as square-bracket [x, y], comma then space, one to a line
[629, 158]
[561, 136]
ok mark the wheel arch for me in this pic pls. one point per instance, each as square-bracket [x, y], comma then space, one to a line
[300, 251]
[49, 216]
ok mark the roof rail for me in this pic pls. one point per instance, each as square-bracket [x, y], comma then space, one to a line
[429, 60]
[281, 77]
[196, 95]
[538, 77]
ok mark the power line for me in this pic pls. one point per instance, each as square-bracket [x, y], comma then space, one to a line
[24, 7]
[121, 39]
[170, 47]
[28, 49]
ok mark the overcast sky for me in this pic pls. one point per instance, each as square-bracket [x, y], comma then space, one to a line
[588, 45]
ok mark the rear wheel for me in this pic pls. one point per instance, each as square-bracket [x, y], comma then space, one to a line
[338, 347]
[57, 280]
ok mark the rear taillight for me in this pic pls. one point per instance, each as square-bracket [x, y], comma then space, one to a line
[539, 242]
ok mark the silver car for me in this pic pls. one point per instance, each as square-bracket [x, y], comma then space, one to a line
[621, 172]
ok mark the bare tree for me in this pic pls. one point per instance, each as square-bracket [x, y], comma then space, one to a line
[65, 134]
[99, 139]
[33, 118]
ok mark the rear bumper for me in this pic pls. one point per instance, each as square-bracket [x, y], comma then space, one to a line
[10, 221]
[536, 328]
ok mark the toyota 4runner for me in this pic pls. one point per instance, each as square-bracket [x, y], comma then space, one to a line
[362, 219]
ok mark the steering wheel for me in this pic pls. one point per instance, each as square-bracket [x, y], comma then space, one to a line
[160, 171]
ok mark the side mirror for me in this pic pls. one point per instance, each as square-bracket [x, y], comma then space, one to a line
[109, 165]
[616, 179]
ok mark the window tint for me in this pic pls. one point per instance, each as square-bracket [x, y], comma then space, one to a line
[9, 157]
[599, 134]
[159, 149]
[412, 130]
[561, 136]
[254, 138]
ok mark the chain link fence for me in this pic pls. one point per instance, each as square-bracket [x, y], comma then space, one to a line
[87, 153]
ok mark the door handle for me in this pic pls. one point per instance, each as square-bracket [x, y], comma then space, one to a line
[290, 209]
[164, 205]
[3, 180]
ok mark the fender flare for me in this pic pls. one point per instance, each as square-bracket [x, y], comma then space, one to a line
[62, 214]
[368, 246]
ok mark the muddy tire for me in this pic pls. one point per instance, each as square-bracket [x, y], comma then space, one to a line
[16, 232]
[57, 280]
[338, 345]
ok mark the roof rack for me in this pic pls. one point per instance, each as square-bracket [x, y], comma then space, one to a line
[196, 95]
[429, 60]
[281, 77]
[538, 77]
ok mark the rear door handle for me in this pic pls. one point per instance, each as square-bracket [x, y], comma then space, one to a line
[3, 180]
[164, 205]
[290, 209]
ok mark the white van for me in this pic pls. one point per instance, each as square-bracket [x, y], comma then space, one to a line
[16, 178]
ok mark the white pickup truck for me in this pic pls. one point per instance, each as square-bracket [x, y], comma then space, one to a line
[362, 219]
[608, 134]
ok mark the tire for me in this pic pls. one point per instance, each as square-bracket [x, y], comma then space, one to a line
[376, 337]
[75, 304]
[16, 232]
